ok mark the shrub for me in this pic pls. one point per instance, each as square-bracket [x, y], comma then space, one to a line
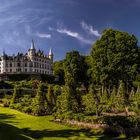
[122, 121]
[27, 109]
[16, 106]
[6, 102]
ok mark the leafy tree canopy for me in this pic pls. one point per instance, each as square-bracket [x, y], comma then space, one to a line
[115, 57]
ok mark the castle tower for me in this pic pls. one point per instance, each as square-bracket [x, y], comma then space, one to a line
[51, 55]
[3, 62]
[32, 50]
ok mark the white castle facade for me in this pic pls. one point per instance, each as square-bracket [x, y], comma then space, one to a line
[33, 62]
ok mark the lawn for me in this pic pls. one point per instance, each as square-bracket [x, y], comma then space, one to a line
[15, 125]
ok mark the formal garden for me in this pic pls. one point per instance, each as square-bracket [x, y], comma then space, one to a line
[91, 97]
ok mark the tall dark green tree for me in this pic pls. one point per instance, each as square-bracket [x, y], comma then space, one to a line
[40, 100]
[74, 74]
[115, 57]
[58, 68]
[14, 95]
[51, 97]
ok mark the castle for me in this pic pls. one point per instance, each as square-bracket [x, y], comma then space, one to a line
[33, 62]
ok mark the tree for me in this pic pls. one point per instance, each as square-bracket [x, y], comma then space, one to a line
[74, 73]
[135, 102]
[70, 99]
[74, 69]
[89, 104]
[58, 68]
[66, 102]
[112, 100]
[115, 57]
[14, 95]
[39, 108]
[51, 97]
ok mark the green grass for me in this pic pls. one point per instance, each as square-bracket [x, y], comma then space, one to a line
[15, 125]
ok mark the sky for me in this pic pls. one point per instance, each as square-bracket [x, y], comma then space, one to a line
[63, 25]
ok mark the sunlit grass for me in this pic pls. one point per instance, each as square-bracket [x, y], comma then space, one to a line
[15, 125]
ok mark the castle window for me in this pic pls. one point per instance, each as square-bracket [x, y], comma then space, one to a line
[10, 64]
[25, 70]
[18, 64]
[25, 64]
[10, 70]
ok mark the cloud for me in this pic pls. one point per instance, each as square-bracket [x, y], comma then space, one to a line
[16, 33]
[90, 29]
[7, 5]
[44, 35]
[12, 40]
[51, 28]
[75, 35]
[28, 30]
[68, 32]
[10, 19]
[70, 2]
[44, 20]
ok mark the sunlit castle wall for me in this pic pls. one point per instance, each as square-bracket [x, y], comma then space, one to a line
[32, 62]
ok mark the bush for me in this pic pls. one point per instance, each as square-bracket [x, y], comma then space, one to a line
[16, 106]
[93, 119]
[6, 102]
[27, 109]
[122, 121]
[78, 117]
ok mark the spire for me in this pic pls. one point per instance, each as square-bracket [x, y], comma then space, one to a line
[50, 52]
[3, 53]
[32, 45]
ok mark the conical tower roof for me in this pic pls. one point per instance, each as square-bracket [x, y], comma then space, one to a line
[3, 53]
[50, 52]
[32, 45]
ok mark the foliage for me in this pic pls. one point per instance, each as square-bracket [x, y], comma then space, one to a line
[39, 108]
[115, 57]
[86, 87]
[89, 104]
[74, 69]
[14, 95]
[51, 98]
[29, 127]
[58, 69]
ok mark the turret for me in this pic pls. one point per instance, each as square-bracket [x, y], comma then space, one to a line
[32, 45]
[32, 50]
[3, 62]
[3, 54]
[51, 54]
